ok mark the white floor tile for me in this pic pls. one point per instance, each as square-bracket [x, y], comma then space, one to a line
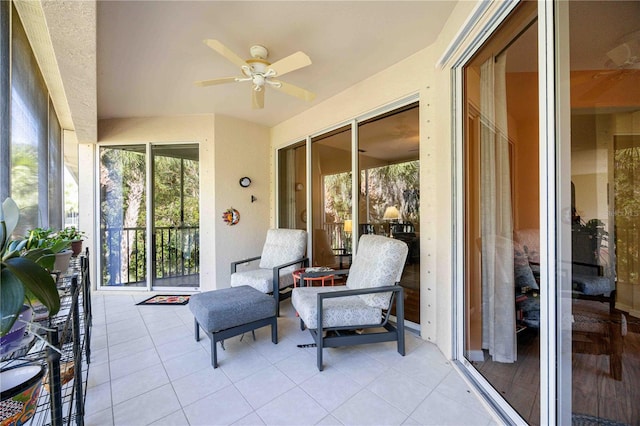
[199, 385]
[98, 398]
[148, 359]
[329, 421]
[171, 334]
[251, 420]
[100, 418]
[331, 388]
[299, 367]
[220, 408]
[294, 407]
[366, 408]
[137, 383]
[426, 365]
[399, 390]
[125, 323]
[186, 364]
[124, 366]
[437, 409]
[129, 348]
[264, 386]
[176, 418]
[98, 330]
[361, 368]
[134, 332]
[99, 356]
[454, 387]
[178, 347]
[240, 364]
[146, 408]
[99, 342]
[274, 353]
[99, 374]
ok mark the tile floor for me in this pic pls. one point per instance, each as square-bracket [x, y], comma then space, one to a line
[147, 369]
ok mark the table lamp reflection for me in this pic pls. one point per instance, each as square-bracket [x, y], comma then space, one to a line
[348, 227]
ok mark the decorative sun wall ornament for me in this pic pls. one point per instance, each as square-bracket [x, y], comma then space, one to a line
[231, 216]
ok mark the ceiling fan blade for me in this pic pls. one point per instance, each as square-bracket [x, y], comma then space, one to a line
[292, 90]
[226, 52]
[257, 99]
[204, 83]
[290, 63]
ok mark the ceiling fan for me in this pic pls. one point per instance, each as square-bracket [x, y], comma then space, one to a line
[261, 73]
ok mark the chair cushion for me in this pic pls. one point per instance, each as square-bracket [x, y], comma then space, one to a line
[261, 279]
[337, 312]
[369, 271]
[593, 284]
[283, 246]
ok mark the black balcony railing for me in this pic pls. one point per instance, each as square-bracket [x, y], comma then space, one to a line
[175, 253]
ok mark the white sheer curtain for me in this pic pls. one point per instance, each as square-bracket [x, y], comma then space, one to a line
[498, 292]
[290, 195]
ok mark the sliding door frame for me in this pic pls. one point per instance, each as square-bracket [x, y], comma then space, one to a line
[353, 123]
[466, 48]
[149, 225]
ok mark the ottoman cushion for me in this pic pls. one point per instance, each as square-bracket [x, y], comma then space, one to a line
[229, 307]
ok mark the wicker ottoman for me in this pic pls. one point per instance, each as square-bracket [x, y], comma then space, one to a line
[232, 311]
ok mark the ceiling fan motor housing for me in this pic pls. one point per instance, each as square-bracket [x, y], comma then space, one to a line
[259, 52]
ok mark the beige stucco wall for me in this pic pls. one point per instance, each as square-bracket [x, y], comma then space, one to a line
[242, 149]
[416, 74]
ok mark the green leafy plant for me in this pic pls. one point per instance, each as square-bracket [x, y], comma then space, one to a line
[24, 271]
[47, 238]
[71, 233]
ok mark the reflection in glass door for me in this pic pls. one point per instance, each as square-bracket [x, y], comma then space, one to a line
[292, 182]
[176, 216]
[601, 294]
[126, 258]
[389, 196]
[331, 198]
[501, 214]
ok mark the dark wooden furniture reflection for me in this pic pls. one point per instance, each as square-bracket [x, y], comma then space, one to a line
[598, 330]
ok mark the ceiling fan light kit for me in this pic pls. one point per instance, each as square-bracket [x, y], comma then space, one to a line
[260, 72]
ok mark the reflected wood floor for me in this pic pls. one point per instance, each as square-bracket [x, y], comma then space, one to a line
[594, 392]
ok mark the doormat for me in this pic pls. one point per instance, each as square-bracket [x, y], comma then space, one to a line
[166, 299]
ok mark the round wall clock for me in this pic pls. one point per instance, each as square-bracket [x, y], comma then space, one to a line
[245, 182]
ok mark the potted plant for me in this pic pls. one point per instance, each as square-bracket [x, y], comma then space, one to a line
[24, 272]
[49, 238]
[74, 235]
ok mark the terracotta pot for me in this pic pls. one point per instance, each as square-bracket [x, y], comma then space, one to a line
[76, 247]
[20, 389]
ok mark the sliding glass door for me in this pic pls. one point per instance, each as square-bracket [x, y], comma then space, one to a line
[389, 189]
[176, 216]
[162, 252]
[549, 288]
[331, 198]
[381, 197]
[501, 214]
[292, 183]
[600, 286]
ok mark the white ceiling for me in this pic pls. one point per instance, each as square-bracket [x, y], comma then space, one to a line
[149, 53]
